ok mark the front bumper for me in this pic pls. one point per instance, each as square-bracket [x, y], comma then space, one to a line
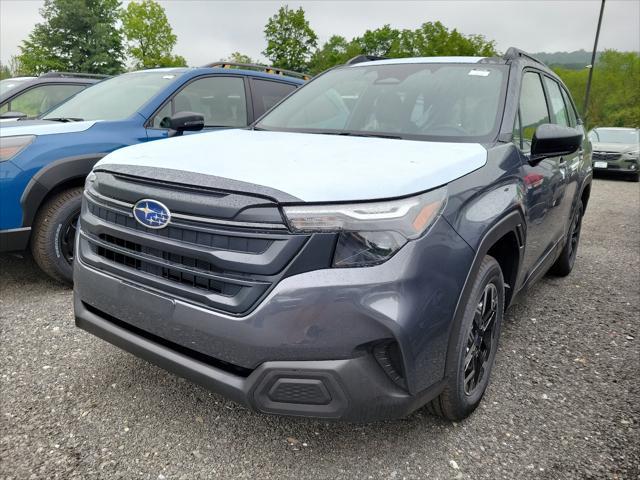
[354, 389]
[622, 166]
[14, 239]
[312, 338]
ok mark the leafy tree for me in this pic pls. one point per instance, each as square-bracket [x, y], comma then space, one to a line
[434, 39]
[337, 50]
[290, 39]
[615, 89]
[4, 71]
[149, 36]
[237, 57]
[381, 42]
[430, 39]
[76, 36]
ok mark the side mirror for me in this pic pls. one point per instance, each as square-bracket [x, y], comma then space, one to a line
[11, 114]
[181, 122]
[551, 140]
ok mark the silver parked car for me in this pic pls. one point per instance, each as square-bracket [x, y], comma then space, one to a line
[616, 150]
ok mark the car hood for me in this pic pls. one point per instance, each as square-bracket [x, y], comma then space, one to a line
[42, 127]
[614, 147]
[310, 167]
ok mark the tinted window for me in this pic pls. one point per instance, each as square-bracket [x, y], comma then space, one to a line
[267, 93]
[221, 100]
[533, 107]
[556, 101]
[412, 100]
[40, 99]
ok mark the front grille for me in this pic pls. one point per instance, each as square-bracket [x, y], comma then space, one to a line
[605, 156]
[228, 267]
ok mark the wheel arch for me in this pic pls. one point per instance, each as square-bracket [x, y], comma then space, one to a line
[498, 241]
[57, 176]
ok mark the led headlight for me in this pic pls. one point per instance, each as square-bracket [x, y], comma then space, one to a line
[89, 180]
[12, 146]
[370, 233]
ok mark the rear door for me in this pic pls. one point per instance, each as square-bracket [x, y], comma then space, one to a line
[266, 93]
[544, 181]
[569, 164]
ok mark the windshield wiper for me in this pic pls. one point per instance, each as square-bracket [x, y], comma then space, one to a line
[64, 119]
[376, 135]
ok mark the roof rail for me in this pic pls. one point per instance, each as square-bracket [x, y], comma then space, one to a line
[364, 58]
[513, 53]
[73, 75]
[258, 67]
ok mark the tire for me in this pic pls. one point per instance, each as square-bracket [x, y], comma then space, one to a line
[466, 381]
[53, 234]
[564, 264]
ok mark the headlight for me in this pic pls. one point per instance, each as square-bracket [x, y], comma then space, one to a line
[89, 180]
[632, 155]
[11, 146]
[370, 233]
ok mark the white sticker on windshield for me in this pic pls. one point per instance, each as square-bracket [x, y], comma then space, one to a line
[168, 77]
[479, 73]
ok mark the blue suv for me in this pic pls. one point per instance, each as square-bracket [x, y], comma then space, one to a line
[43, 163]
[356, 258]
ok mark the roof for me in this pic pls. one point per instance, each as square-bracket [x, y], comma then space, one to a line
[219, 70]
[615, 128]
[400, 61]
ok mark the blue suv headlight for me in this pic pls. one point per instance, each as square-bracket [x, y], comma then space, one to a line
[370, 233]
[12, 146]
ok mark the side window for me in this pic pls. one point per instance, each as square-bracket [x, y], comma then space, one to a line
[267, 93]
[221, 100]
[533, 107]
[573, 116]
[40, 99]
[165, 111]
[558, 107]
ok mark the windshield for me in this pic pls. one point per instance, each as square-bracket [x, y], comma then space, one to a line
[114, 99]
[411, 100]
[9, 83]
[606, 135]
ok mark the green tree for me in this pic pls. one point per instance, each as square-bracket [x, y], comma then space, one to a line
[150, 38]
[381, 42]
[290, 39]
[615, 90]
[76, 36]
[4, 71]
[435, 39]
[337, 50]
[237, 57]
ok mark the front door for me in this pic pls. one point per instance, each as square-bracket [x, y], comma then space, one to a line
[545, 182]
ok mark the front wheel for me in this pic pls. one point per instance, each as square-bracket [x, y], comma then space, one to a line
[475, 345]
[54, 231]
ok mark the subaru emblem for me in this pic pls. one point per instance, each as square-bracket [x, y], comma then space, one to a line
[151, 213]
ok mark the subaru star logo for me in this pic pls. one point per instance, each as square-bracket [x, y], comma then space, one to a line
[151, 213]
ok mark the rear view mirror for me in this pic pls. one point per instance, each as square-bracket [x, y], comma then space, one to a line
[183, 122]
[11, 114]
[551, 140]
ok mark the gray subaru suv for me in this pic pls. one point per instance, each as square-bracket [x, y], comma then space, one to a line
[350, 255]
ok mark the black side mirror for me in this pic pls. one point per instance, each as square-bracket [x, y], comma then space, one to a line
[551, 140]
[183, 122]
[11, 114]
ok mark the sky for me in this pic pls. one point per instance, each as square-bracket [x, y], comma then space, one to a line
[209, 30]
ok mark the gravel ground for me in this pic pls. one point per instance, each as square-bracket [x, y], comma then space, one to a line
[563, 402]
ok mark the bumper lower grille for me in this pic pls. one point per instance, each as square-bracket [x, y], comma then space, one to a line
[226, 267]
